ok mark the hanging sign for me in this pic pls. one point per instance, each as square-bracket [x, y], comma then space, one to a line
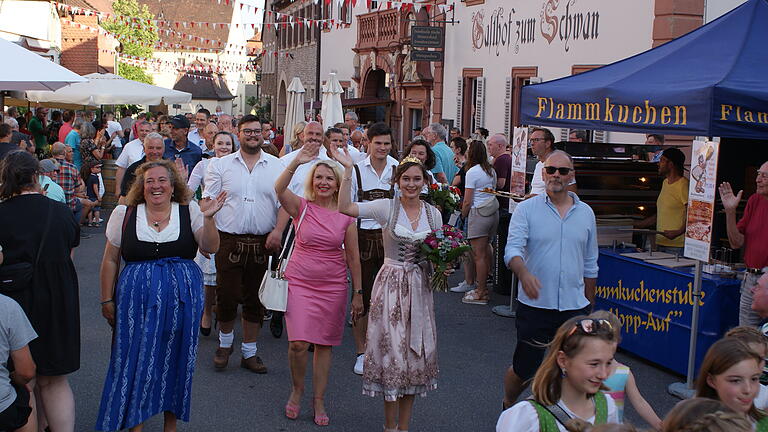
[427, 56]
[701, 200]
[427, 37]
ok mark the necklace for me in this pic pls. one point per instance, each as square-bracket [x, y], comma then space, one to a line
[157, 223]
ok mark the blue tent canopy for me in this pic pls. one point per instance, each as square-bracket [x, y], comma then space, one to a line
[712, 81]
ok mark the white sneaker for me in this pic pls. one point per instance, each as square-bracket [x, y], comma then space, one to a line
[359, 364]
[463, 287]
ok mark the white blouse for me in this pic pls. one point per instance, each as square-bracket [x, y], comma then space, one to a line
[379, 211]
[522, 417]
[144, 232]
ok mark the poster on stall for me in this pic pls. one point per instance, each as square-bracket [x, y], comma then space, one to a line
[701, 200]
[519, 158]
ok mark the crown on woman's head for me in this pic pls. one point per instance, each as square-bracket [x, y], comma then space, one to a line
[410, 159]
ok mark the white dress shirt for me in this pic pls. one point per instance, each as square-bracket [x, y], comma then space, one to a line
[371, 180]
[251, 205]
[355, 154]
[132, 153]
[197, 139]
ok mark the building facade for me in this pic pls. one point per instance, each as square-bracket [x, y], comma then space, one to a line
[291, 51]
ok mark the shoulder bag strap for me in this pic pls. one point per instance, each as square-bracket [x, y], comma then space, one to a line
[555, 411]
[129, 210]
[547, 421]
[359, 189]
[283, 257]
[47, 228]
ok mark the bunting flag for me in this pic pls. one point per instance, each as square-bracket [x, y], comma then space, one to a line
[279, 18]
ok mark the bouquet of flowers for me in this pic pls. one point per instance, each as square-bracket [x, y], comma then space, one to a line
[444, 196]
[443, 247]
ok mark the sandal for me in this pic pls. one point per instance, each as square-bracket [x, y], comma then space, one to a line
[292, 410]
[472, 297]
[321, 419]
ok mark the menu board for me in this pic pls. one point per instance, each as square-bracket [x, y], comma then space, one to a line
[701, 200]
[519, 157]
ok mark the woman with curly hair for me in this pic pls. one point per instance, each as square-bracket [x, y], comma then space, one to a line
[158, 298]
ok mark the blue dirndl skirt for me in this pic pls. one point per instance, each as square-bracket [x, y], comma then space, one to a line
[159, 306]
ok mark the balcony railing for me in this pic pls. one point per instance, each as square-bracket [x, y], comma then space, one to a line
[379, 29]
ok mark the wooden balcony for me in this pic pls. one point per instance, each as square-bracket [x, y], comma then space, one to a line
[380, 29]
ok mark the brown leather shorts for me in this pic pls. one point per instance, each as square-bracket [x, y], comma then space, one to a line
[240, 265]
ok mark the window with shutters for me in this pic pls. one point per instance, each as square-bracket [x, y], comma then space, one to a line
[521, 77]
[301, 27]
[469, 100]
[345, 11]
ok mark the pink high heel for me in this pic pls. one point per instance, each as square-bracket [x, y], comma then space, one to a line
[321, 419]
[292, 410]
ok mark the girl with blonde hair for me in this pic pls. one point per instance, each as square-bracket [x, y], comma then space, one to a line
[567, 384]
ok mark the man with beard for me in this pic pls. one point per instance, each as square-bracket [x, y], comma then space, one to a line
[671, 204]
[552, 248]
[247, 230]
[750, 232]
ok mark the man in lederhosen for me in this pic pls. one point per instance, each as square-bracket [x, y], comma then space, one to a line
[371, 181]
[246, 226]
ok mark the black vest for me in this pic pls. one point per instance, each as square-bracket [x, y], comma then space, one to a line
[135, 250]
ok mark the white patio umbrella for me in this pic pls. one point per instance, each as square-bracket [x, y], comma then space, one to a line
[332, 111]
[111, 89]
[26, 70]
[294, 112]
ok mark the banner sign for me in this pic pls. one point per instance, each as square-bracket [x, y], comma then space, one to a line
[701, 200]
[655, 306]
[519, 157]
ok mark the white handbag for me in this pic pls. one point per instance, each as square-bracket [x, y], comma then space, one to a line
[273, 291]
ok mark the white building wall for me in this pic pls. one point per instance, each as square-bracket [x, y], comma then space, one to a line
[37, 21]
[336, 46]
[482, 40]
[714, 9]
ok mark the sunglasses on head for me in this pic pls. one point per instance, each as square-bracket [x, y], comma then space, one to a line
[562, 170]
[591, 326]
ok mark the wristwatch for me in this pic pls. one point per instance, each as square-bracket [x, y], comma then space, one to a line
[359, 291]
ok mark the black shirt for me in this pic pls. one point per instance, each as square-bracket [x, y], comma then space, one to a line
[6, 148]
[130, 176]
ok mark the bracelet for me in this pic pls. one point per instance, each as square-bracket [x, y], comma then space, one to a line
[107, 301]
[347, 178]
[292, 172]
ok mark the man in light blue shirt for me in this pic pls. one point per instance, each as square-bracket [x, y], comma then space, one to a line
[552, 248]
[444, 169]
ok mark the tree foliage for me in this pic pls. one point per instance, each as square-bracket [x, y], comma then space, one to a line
[146, 36]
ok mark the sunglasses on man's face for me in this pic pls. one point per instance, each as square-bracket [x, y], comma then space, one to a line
[562, 170]
[591, 326]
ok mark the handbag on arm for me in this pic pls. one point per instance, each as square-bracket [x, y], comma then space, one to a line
[16, 278]
[273, 291]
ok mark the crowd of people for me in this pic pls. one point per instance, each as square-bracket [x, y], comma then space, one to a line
[208, 202]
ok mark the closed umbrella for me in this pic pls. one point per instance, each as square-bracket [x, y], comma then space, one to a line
[295, 110]
[332, 111]
[111, 89]
[29, 71]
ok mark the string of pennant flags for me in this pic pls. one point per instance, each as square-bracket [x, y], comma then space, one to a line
[195, 67]
[278, 18]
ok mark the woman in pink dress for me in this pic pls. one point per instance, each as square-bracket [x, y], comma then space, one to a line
[325, 246]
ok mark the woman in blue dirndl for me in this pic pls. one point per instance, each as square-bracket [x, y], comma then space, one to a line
[157, 304]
